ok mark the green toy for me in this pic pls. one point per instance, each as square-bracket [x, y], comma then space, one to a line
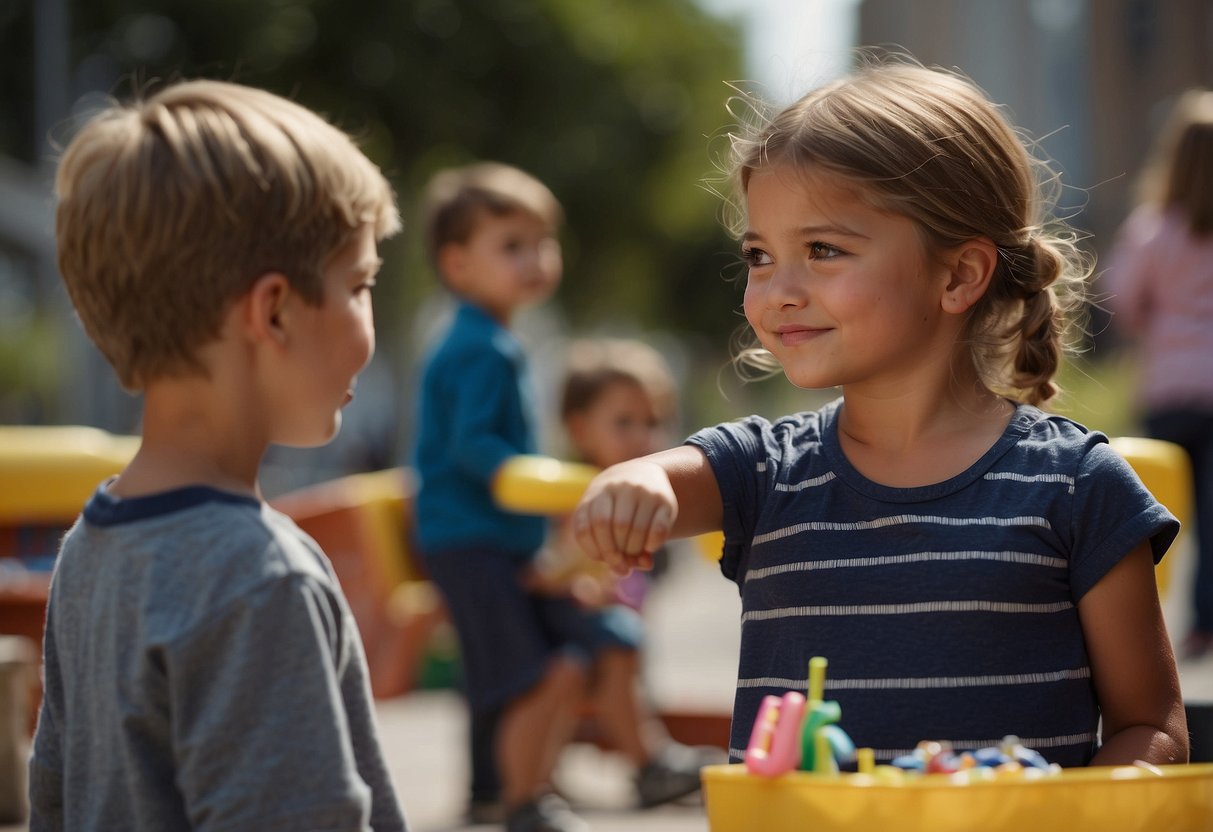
[822, 743]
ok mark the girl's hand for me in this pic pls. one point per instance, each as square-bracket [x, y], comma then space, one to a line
[626, 514]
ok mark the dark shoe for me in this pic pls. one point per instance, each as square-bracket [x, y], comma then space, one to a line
[674, 773]
[485, 812]
[549, 813]
[1196, 645]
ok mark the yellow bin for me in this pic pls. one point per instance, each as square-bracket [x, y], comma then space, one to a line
[1107, 799]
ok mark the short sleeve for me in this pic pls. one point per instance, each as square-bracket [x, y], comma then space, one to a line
[262, 738]
[737, 453]
[1112, 513]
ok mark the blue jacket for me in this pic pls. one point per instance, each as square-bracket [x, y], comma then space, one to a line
[475, 412]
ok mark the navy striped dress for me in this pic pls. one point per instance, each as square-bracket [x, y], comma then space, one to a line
[947, 612]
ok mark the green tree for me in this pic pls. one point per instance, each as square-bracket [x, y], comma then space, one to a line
[611, 102]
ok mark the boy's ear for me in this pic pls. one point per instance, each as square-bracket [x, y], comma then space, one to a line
[265, 306]
[451, 264]
[575, 427]
[972, 265]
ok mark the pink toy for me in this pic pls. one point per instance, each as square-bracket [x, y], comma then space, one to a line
[775, 741]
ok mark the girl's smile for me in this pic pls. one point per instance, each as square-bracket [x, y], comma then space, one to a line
[791, 335]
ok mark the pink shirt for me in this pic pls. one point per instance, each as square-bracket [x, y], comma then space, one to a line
[1161, 286]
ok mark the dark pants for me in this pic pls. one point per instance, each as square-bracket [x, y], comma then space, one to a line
[1192, 429]
[486, 782]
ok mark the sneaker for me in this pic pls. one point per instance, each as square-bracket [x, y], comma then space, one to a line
[548, 813]
[485, 813]
[674, 773]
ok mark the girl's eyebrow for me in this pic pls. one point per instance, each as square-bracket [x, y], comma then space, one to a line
[814, 230]
[811, 231]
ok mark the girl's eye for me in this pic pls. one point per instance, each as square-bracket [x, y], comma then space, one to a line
[365, 286]
[755, 257]
[822, 251]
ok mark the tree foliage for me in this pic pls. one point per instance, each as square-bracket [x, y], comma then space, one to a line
[611, 102]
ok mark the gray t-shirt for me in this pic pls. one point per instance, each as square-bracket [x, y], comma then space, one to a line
[202, 671]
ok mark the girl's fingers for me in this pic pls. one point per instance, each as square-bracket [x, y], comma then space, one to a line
[628, 511]
[601, 515]
[659, 530]
[636, 541]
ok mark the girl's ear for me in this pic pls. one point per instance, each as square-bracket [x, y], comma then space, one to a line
[972, 266]
[266, 307]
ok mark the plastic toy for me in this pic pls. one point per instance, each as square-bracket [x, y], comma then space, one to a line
[775, 741]
[792, 731]
[823, 743]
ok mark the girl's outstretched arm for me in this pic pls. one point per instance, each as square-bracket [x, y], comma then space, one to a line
[631, 509]
[1133, 666]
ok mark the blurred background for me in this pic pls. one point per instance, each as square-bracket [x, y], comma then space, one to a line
[619, 105]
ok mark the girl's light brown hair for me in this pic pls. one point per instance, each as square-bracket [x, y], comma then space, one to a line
[170, 208]
[928, 145]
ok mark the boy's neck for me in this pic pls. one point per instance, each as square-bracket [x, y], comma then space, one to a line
[502, 318]
[193, 434]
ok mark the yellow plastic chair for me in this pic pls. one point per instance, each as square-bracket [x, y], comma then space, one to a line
[47, 473]
[1166, 472]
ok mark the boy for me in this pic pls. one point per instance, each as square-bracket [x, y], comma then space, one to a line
[202, 668]
[491, 235]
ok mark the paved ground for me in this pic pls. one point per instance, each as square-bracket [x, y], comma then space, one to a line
[692, 618]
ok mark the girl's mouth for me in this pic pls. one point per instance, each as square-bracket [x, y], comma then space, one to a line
[791, 336]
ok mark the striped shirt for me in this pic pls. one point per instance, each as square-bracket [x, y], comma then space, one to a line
[948, 611]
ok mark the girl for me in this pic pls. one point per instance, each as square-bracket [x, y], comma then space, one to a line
[970, 565]
[1160, 285]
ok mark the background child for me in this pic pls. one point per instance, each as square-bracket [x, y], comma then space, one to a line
[527, 656]
[971, 566]
[1160, 284]
[202, 668]
[618, 401]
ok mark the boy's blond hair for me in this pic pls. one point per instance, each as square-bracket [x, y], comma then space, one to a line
[456, 198]
[171, 207]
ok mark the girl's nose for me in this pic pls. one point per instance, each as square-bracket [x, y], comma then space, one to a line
[786, 288]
